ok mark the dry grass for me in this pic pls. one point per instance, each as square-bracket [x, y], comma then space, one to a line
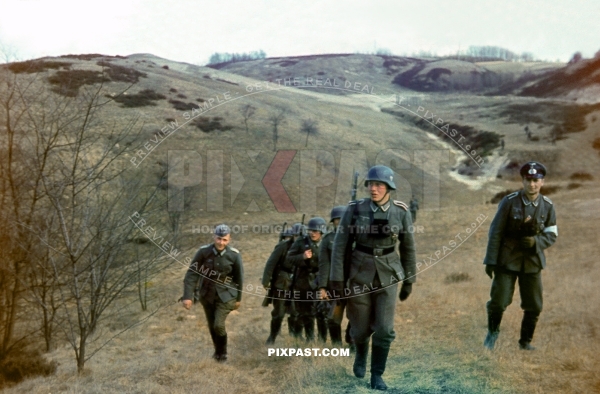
[440, 328]
[438, 348]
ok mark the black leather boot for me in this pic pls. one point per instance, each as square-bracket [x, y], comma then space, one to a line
[494, 319]
[221, 353]
[309, 328]
[275, 328]
[322, 329]
[335, 332]
[360, 359]
[292, 326]
[379, 355]
[214, 339]
[349, 339]
[528, 324]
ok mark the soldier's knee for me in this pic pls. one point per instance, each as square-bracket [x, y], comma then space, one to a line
[220, 330]
[383, 339]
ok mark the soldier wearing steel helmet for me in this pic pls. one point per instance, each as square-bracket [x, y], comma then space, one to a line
[277, 277]
[337, 313]
[216, 276]
[524, 226]
[304, 255]
[374, 226]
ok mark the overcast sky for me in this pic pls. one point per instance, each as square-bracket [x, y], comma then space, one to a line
[191, 30]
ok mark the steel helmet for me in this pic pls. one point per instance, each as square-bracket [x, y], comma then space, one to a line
[288, 232]
[381, 174]
[298, 228]
[336, 212]
[317, 224]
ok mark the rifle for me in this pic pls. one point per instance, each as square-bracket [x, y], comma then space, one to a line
[354, 189]
[350, 243]
[269, 297]
[282, 231]
[295, 274]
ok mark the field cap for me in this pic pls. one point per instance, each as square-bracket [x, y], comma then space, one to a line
[222, 230]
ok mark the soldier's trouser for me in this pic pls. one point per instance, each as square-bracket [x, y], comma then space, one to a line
[373, 313]
[278, 312]
[337, 314]
[503, 288]
[306, 317]
[216, 313]
[335, 321]
[293, 319]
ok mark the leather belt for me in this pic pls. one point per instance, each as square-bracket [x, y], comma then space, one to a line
[374, 251]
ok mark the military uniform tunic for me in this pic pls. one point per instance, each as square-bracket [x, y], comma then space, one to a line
[375, 268]
[306, 273]
[218, 279]
[518, 217]
[306, 281]
[279, 265]
[325, 259]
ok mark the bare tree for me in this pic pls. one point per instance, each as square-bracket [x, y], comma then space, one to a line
[248, 111]
[21, 203]
[309, 127]
[67, 203]
[277, 119]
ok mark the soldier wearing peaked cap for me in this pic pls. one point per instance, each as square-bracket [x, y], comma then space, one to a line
[215, 278]
[376, 225]
[524, 226]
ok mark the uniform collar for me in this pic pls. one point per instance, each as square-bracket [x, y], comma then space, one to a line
[527, 202]
[384, 207]
[219, 253]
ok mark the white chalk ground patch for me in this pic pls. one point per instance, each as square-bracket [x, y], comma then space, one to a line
[489, 169]
[489, 172]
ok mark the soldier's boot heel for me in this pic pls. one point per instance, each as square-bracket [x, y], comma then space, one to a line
[379, 357]
[360, 359]
[528, 325]
[377, 383]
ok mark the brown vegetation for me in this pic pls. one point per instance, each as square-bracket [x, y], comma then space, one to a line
[146, 342]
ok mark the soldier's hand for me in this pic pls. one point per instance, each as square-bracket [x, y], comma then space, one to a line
[337, 288]
[489, 270]
[527, 242]
[237, 305]
[307, 254]
[187, 304]
[405, 291]
[324, 295]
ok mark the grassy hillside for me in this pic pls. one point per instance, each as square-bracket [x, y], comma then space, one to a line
[197, 112]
